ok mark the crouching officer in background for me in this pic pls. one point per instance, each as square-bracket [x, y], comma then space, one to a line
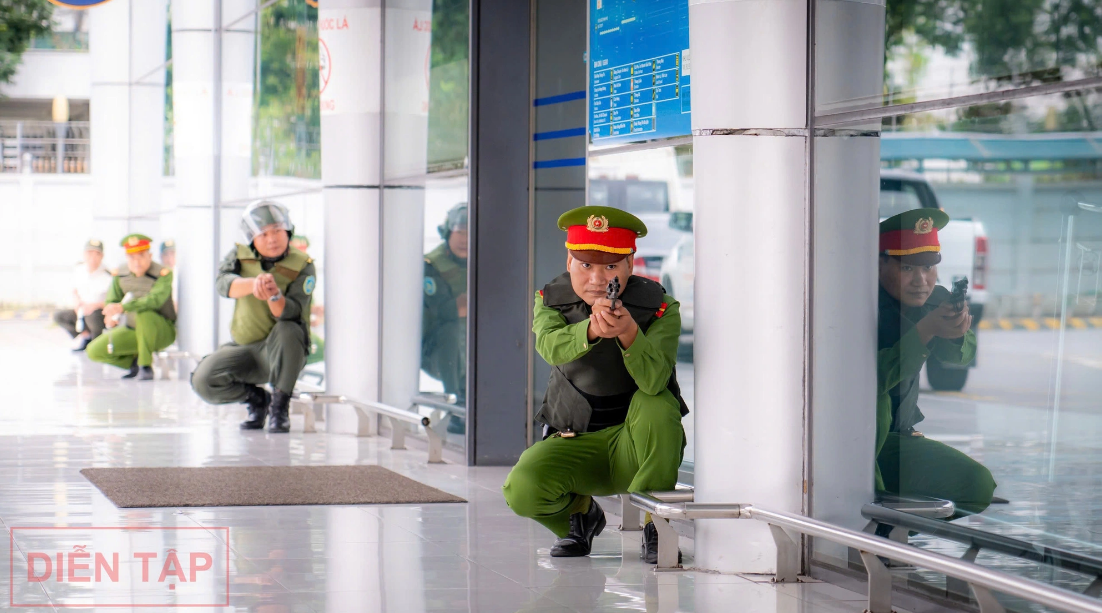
[612, 400]
[271, 282]
[139, 313]
[917, 319]
[444, 311]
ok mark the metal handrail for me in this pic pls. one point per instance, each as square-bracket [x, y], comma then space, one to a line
[982, 580]
[441, 404]
[978, 539]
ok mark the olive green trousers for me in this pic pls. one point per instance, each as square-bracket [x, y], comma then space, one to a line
[119, 346]
[918, 466]
[556, 477]
[225, 375]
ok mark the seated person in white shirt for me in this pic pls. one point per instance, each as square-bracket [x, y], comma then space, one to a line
[84, 321]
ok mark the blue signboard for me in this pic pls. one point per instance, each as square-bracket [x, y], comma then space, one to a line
[638, 70]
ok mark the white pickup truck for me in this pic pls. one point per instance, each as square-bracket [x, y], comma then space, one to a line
[963, 254]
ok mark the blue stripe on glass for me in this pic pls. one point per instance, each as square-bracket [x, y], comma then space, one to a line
[559, 163]
[578, 95]
[558, 134]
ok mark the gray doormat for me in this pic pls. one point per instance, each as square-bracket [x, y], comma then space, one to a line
[239, 486]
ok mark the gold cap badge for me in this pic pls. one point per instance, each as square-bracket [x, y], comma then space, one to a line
[133, 241]
[597, 224]
[924, 225]
[94, 243]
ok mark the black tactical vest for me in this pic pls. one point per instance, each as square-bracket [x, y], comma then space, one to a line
[594, 391]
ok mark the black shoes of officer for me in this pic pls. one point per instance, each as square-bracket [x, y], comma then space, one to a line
[650, 544]
[133, 370]
[280, 421]
[145, 373]
[258, 400]
[584, 527]
[81, 343]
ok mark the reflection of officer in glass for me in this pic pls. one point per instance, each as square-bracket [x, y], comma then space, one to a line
[917, 320]
[444, 316]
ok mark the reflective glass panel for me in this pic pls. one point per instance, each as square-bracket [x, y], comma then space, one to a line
[990, 402]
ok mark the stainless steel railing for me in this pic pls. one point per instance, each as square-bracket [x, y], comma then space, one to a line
[983, 581]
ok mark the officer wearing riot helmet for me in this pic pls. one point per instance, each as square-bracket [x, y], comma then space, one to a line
[444, 310]
[271, 282]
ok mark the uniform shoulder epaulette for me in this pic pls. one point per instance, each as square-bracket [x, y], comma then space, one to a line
[165, 271]
[114, 272]
[540, 292]
[428, 261]
[661, 310]
[309, 260]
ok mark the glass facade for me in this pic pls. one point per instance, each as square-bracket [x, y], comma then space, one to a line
[425, 205]
[988, 402]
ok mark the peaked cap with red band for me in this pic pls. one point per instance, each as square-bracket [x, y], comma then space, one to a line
[134, 243]
[601, 228]
[913, 233]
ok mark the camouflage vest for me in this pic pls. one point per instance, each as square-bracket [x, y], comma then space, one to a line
[594, 391]
[140, 286]
[252, 319]
[453, 272]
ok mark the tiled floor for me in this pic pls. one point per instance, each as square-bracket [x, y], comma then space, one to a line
[62, 413]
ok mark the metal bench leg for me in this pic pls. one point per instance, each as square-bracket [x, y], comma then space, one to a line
[397, 434]
[436, 446]
[960, 586]
[367, 423]
[880, 584]
[631, 515]
[667, 543]
[788, 555]
[987, 601]
[307, 408]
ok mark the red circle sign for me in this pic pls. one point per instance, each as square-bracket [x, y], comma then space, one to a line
[325, 65]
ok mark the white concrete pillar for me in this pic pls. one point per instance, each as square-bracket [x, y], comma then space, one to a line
[350, 47]
[749, 293]
[750, 139]
[127, 48]
[210, 169]
[408, 43]
[849, 50]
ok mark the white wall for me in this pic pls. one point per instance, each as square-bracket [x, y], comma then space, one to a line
[46, 74]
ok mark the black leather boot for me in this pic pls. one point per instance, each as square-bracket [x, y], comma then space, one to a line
[133, 370]
[281, 408]
[584, 527]
[145, 373]
[257, 400]
[650, 544]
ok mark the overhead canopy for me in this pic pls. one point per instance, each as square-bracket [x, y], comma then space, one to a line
[987, 147]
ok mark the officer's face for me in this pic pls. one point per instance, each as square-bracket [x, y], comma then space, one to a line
[272, 241]
[909, 283]
[139, 262]
[457, 242]
[590, 281]
[93, 258]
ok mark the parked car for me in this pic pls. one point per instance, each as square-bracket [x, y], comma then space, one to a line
[963, 254]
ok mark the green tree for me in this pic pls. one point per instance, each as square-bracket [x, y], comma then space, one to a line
[20, 21]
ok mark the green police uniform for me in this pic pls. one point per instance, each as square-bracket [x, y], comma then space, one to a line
[907, 463]
[444, 332]
[264, 349]
[150, 315]
[620, 408]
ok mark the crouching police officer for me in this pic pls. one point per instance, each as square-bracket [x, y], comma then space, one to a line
[271, 282]
[612, 399]
[139, 313]
[918, 320]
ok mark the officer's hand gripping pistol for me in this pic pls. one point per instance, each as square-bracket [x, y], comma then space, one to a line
[959, 294]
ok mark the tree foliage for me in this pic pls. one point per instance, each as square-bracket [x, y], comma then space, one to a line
[20, 21]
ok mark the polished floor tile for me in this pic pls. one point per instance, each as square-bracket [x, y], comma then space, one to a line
[67, 414]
